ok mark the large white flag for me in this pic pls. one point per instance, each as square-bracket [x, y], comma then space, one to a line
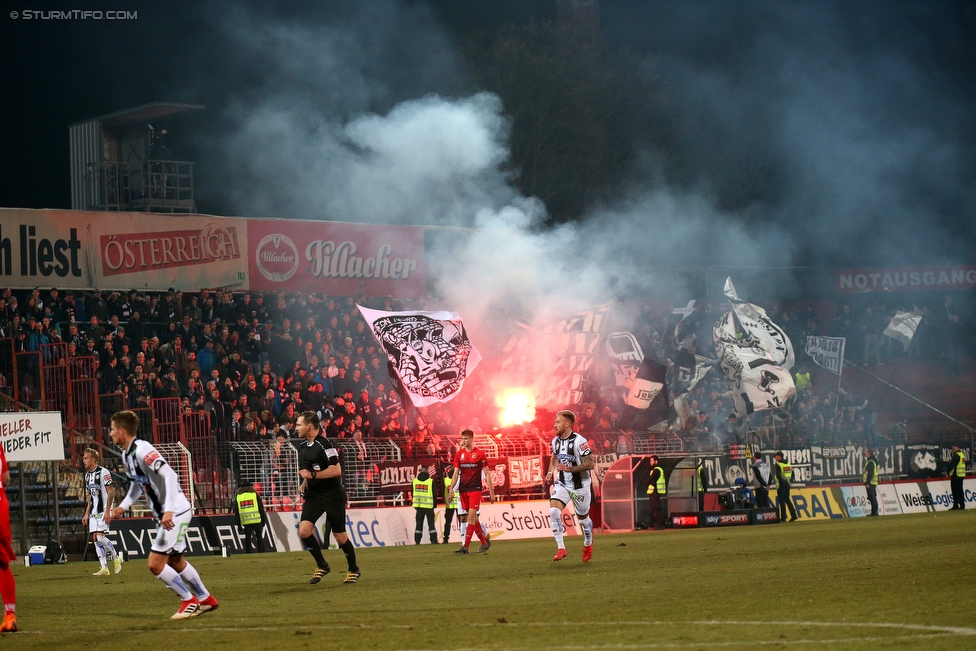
[753, 321]
[828, 352]
[755, 354]
[903, 326]
[429, 351]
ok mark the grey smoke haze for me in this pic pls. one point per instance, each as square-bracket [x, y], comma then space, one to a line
[851, 125]
[808, 133]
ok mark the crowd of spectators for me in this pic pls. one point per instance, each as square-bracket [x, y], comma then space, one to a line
[254, 362]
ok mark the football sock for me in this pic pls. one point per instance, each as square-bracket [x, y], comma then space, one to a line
[312, 545]
[100, 552]
[193, 581]
[557, 527]
[172, 579]
[464, 529]
[8, 590]
[484, 529]
[481, 533]
[587, 525]
[350, 551]
[467, 536]
[110, 552]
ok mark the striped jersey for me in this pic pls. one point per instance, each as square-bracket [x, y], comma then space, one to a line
[570, 452]
[97, 481]
[152, 476]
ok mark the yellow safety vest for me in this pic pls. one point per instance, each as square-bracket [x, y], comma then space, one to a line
[447, 489]
[247, 506]
[785, 470]
[960, 469]
[659, 485]
[423, 493]
[802, 381]
[700, 482]
[870, 472]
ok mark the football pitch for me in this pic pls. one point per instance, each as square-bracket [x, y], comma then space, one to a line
[903, 582]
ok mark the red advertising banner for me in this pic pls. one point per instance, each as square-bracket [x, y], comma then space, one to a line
[397, 476]
[127, 252]
[904, 279]
[336, 258]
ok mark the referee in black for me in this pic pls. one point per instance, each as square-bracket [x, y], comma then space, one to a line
[321, 473]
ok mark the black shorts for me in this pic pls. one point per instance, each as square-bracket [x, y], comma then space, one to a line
[332, 504]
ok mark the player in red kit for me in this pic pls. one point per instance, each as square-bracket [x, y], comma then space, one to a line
[472, 465]
[8, 589]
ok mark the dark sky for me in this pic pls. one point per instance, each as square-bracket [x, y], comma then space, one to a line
[846, 130]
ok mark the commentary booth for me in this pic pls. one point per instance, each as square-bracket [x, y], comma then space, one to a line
[624, 496]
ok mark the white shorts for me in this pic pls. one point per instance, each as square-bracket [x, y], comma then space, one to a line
[580, 498]
[97, 524]
[172, 541]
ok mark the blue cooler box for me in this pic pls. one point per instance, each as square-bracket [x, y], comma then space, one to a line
[37, 554]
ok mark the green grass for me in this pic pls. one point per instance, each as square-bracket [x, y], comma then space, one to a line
[809, 585]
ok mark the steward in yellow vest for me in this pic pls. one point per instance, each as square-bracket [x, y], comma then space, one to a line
[250, 512]
[657, 488]
[870, 479]
[423, 502]
[450, 508]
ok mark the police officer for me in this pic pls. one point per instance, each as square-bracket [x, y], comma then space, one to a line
[450, 507]
[870, 479]
[423, 502]
[957, 474]
[656, 489]
[250, 512]
[784, 475]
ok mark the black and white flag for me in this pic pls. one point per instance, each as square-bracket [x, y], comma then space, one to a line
[827, 352]
[649, 382]
[903, 326]
[755, 354]
[625, 355]
[429, 352]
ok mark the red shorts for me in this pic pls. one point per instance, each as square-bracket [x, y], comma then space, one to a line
[7, 554]
[471, 501]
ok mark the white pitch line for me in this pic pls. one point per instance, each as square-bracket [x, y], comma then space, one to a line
[924, 631]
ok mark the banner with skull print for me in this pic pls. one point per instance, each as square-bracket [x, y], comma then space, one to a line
[429, 351]
[755, 354]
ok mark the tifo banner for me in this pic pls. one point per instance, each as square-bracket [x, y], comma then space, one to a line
[428, 352]
[32, 436]
[816, 464]
[923, 460]
[827, 352]
[555, 358]
[397, 476]
[336, 258]
[526, 471]
[904, 279]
